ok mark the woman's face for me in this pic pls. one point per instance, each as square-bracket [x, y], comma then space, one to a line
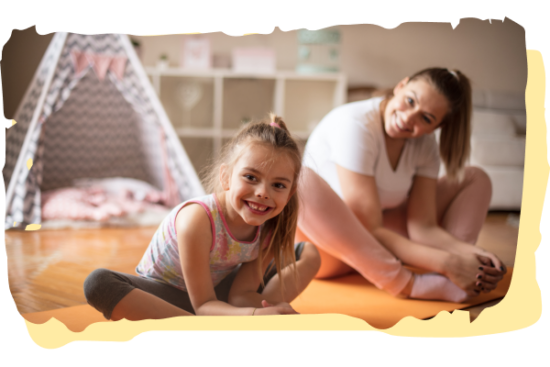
[416, 109]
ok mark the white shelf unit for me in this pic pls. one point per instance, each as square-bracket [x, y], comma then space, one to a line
[228, 98]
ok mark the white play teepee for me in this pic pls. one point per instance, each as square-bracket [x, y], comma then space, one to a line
[90, 112]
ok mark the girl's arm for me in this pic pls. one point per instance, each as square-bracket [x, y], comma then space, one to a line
[361, 195]
[194, 235]
[244, 293]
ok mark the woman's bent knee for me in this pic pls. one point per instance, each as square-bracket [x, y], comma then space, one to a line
[479, 177]
[311, 255]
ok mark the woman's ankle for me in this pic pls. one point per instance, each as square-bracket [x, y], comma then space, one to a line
[406, 292]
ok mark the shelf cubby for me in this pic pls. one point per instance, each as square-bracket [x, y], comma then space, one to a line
[229, 99]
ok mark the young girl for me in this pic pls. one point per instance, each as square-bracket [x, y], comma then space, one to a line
[372, 199]
[211, 254]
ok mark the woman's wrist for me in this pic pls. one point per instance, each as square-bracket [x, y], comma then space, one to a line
[443, 261]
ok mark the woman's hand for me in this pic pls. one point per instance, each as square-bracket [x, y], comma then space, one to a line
[474, 269]
[491, 272]
[281, 308]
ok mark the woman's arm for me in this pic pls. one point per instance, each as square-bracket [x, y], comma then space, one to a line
[422, 227]
[422, 217]
[462, 268]
[361, 196]
[194, 235]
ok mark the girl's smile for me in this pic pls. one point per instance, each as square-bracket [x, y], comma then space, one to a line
[258, 208]
[257, 188]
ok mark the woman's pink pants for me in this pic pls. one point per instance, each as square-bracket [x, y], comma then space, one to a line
[345, 244]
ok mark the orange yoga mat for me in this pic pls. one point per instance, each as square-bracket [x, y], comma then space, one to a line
[75, 318]
[353, 295]
[349, 295]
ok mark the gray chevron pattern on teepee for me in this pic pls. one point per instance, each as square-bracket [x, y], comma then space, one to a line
[81, 139]
[89, 128]
[134, 93]
[64, 80]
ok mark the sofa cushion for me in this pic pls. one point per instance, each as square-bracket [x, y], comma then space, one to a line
[492, 123]
[498, 150]
[498, 100]
[507, 187]
[520, 120]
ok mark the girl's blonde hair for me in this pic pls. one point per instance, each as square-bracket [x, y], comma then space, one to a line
[271, 132]
[454, 139]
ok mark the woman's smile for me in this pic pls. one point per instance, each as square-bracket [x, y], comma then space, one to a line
[400, 125]
[416, 109]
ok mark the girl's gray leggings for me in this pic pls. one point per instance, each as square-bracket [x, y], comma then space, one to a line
[105, 288]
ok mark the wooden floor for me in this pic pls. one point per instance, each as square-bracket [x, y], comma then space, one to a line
[47, 268]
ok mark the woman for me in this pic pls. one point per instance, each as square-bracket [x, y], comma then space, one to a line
[372, 200]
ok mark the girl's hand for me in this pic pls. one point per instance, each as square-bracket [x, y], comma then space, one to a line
[282, 308]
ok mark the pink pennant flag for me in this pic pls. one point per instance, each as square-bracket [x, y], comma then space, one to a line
[100, 64]
[80, 61]
[118, 66]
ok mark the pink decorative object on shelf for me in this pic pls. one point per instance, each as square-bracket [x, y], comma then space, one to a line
[196, 53]
[254, 60]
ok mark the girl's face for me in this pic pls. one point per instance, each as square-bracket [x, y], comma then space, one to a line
[259, 185]
[416, 109]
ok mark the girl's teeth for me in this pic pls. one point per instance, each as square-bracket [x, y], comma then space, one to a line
[256, 207]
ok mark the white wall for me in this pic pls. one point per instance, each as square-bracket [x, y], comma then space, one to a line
[492, 55]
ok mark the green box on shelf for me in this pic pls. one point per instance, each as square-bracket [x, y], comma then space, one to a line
[318, 51]
[321, 36]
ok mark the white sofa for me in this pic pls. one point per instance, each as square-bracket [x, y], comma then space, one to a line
[498, 144]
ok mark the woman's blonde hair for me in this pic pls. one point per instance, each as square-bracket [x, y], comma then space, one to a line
[454, 139]
[270, 132]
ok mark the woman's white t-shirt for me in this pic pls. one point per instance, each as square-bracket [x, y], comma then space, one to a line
[352, 137]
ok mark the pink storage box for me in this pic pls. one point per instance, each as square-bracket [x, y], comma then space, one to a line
[254, 60]
[196, 53]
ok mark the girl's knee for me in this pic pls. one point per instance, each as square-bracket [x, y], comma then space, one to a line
[95, 282]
